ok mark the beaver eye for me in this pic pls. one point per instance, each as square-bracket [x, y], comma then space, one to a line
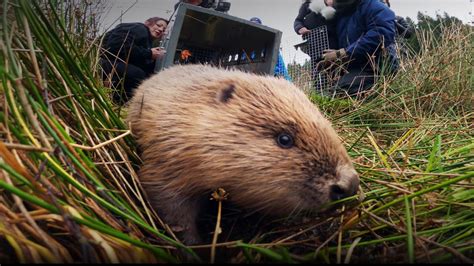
[285, 141]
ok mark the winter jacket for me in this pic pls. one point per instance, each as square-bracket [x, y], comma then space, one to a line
[131, 42]
[313, 14]
[364, 31]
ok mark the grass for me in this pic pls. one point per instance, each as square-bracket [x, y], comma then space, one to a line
[69, 189]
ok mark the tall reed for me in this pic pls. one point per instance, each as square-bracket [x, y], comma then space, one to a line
[70, 191]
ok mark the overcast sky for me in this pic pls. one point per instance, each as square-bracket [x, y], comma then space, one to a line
[278, 14]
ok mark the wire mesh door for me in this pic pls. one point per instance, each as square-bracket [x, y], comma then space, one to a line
[317, 42]
[308, 68]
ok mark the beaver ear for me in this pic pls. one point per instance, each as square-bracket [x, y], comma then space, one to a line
[227, 93]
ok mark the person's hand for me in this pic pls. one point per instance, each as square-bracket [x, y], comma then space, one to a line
[332, 55]
[303, 30]
[157, 52]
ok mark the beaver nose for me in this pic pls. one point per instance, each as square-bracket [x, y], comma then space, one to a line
[339, 192]
[347, 185]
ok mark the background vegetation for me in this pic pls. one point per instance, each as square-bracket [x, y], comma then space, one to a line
[69, 190]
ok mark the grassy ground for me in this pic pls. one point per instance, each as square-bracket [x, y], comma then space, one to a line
[69, 189]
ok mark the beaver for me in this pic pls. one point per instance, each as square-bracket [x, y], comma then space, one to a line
[260, 138]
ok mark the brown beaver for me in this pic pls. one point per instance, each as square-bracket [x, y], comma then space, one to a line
[260, 138]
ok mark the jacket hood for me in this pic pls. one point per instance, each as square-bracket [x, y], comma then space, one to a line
[319, 7]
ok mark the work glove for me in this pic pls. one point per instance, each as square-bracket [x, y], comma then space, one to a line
[332, 55]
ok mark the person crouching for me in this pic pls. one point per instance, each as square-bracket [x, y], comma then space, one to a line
[129, 56]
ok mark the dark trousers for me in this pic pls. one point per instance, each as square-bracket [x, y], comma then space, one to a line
[355, 81]
[124, 77]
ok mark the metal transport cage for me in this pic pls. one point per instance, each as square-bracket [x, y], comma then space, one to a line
[206, 36]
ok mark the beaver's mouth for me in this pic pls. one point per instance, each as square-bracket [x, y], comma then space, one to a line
[335, 208]
[323, 205]
[313, 200]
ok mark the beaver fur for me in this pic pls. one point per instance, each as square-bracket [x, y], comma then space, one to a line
[200, 128]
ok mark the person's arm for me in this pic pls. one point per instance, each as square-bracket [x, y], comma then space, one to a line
[128, 43]
[380, 28]
[139, 50]
[403, 28]
[298, 23]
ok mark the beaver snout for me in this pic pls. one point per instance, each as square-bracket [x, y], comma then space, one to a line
[347, 184]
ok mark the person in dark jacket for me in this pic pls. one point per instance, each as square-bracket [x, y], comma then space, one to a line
[366, 37]
[315, 14]
[404, 31]
[129, 56]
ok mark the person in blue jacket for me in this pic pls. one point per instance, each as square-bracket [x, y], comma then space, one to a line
[366, 38]
[280, 67]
